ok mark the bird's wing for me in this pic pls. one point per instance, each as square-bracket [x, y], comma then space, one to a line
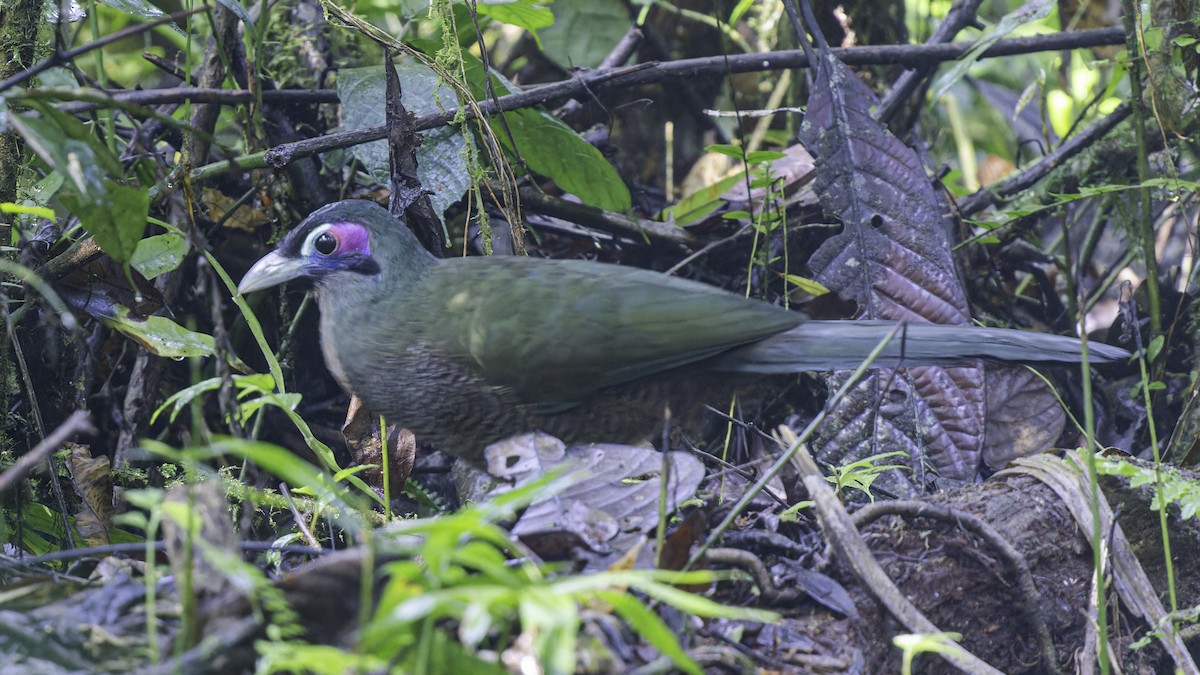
[554, 331]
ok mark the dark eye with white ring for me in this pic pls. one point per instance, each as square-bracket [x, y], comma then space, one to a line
[325, 243]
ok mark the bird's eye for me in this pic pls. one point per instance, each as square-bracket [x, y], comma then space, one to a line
[325, 243]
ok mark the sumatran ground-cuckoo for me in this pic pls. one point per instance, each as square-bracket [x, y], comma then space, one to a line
[467, 351]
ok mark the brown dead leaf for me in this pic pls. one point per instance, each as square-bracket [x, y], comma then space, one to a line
[893, 259]
[611, 506]
[1023, 416]
[361, 431]
[92, 479]
[245, 217]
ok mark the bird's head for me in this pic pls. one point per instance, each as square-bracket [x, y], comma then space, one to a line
[346, 240]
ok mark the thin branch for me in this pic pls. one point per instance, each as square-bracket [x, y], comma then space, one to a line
[77, 423]
[59, 58]
[147, 97]
[281, 155]
[284, 154]
[535, 201]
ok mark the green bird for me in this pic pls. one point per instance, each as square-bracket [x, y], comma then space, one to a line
[468, 351]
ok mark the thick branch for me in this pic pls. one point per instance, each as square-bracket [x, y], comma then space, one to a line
[646, 73]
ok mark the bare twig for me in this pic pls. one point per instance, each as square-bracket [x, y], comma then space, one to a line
[605, 221]
[298, 517]
[616, 58]
[77, 423]
[146, 97]
[286, 153]
[60, 58]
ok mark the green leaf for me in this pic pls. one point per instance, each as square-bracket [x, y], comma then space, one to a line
[296, 657]
[159, 254]
[160, 335]
[701, 203]
[68, 147]
[792, 513]
[39, 211]
[739, 10]
[184, 396]
[440, 167]
[699, 605]
[584, 31]
[115, 215]
[139, 9]
[648, 625]
[532, 15]
[1154, 348]
[734, 151]
[552, 148]
[761, 156]
[805, 284]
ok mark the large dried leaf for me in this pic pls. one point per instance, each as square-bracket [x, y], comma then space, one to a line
[1023, 416]
[92, 478]
[931, 414]
[364, 440]
[609, 509]
[893, 259]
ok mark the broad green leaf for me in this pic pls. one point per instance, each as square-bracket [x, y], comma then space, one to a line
[734, 151]
[139, 9]
[159, 254]
[532, 15]
[68, 148]
[648, 625]
[116, 217]
[36, 520]
[584, 31]
[763, 156]
[115, 214]
[701, 203]
[553, 149]
[440, 167]
[161, 336]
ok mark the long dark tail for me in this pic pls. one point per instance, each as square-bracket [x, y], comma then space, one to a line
[838, 345]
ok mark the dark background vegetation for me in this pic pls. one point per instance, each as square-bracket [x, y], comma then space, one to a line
[143, 175]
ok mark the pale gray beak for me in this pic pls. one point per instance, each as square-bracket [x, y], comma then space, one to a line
[273, 269]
